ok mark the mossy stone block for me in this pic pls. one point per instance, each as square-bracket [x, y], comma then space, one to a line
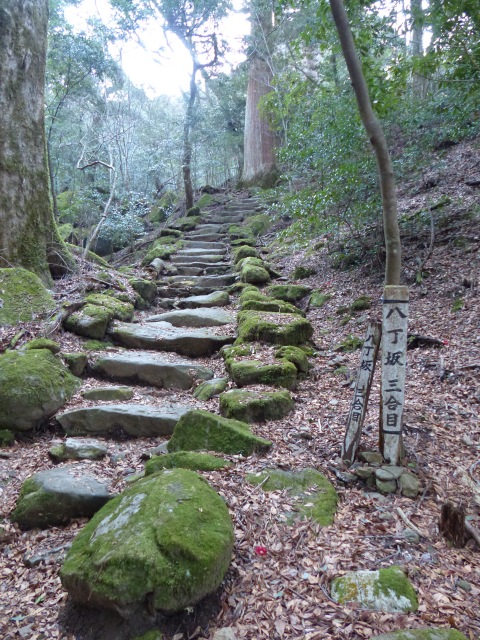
[289, 292]
[186, 224]
[421, 634]
[253, 262]
[185, 460]
[316, 495]
[76, 362]
[284, 329]
[254, 275]
[249, 292]
[255, 406]
[244, 252]
[200, 430]
[43, 343]
[302, 272]
[162, 545]
[296, 356]
[90, 322]
[146, 289]
[279, 374]
[259, 223]
[119, 310]
[23, 297]
[387, 590]
[241, 242]
[163, 252]
[34, 385]
[210, 388]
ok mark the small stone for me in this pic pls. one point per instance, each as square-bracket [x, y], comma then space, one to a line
[108, 393]
[410, 536]
[364, 472]
[468, 441]
[409, 485]
[226, 633]
[370, 457]
[464, 585]
[389, 472]
[386, 486]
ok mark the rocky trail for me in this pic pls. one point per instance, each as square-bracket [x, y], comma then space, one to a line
[233, 353]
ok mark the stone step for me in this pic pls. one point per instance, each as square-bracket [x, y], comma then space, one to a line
[210, 228]
[205, 237]
[161, 336]
[151, 368]
[207, 270]
[191, 259]
[203, 264]
[226, 220]
[198, 244]
[214, 299]
[140, 421]
[214, 282]
[201, 252]
[195, 318]
[185, 270]
[184, 290]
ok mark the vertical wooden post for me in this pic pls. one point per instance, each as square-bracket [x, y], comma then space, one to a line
[394, 361]
[361, 394]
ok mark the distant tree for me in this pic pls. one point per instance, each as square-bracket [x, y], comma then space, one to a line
[28, 235]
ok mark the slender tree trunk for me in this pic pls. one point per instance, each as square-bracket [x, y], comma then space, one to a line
[377, 138]
[28, 236]
[187, 143]
[418, 81]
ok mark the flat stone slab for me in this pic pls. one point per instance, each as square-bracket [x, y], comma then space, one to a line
[215, 299]
[162, 336]
[200, 244]
[55, 496]
[79, 449]
[205, 237]
[201, 252]
[205, 281]
[108, 393]
[152, 368]
[192, 258]
[196, 318]
[140, 421]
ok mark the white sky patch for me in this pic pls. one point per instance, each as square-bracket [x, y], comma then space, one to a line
[158, 66]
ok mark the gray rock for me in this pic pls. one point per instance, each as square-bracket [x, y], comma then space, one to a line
[227, 633]
[386, 486]
[79, 449]
[198, 244]
[140, 421]
[215, 299]
[108, 393]
[410, 536]
[210, 388]
[409, 485]
[163, 545]
[389, 472]
[364, 472]
[370, 457]
[195, 318]
[56, 496]
[153, 369]
[164, 337]
[158, 265]
[76, 362]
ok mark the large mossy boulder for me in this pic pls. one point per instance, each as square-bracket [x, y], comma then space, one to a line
[252, 274]
[118, 309]
[289, 292]
[387, 590]
[244, 252]
[34, 384]
[421, 634]
[278, 328]
[276, 374]
[162, 545]
[91, 321]
[146, 289]
[200, 430]
[255, 406]
[315, 496]
[23, 297]
[55, 496]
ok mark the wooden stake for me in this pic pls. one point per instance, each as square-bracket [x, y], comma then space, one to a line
[361, 394]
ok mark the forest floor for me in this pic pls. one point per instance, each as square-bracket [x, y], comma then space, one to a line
[282, 590]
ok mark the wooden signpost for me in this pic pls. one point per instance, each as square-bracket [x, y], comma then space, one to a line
[359, 403]
[394, 361]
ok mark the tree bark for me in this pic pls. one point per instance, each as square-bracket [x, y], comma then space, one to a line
[377, 138]
[187, 143]
[28, 235]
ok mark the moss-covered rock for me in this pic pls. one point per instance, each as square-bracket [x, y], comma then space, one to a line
[285, 329]
[288, 292]
[43, 343]
[255, 406]
[76, 362]
[278, 374]
[253, 262]
[163, 252]
[185, 460]
[361, 304]
[318, 299]
[244, 252]
[193, 212]
[7, 438]
[168, 231]
[210, 388]
[186, 224]
[150, 635]
[296, 356]
[118, 309]
[162, 545]
[421, 634]
[241, 242]
[146, 289]
[388, 590]
[259, 223]
[200, 430]
[264, 303]
[78, 449]
[23, 297]
[254, 275]
[238, 234]
[34, 385]
[351, 343]
[316, 495]
[249, 292]
[301, 272]
[90, 322]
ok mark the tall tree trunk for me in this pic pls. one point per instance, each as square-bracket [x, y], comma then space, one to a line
[418, 81]
[377, 138]
[187, 143]
[28, 235]
[259, 140]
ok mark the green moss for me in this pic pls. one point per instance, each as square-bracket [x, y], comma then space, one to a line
[296, 356]
[167, 540]
[351, 343]
[317, 498]
[96, 345]
[250, 292]
[361, 304]
[255, 406]
[318, 299]
[76, 362]
[108, 393]
[254, 275]
[171, 232]
[259, 223]
[119, 310]
[7, 438]
[91, 321]
[163, 252]
[270, 304]
[236, 232]
[186, 224]
[200, 430]
[301, 272]
[23, 297]
[241, 242]
[250, 261]
[344, 321]
[244, 252]
[340, 371]
[286, 329]
[185, 460]
[43, 343]
[422, 634]
[193, 212]
[458, 304]
[247, 372]
[150, 635]
[205, 200]
[146, 289]
[34, 385]
[289, 292]
[210, 388]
